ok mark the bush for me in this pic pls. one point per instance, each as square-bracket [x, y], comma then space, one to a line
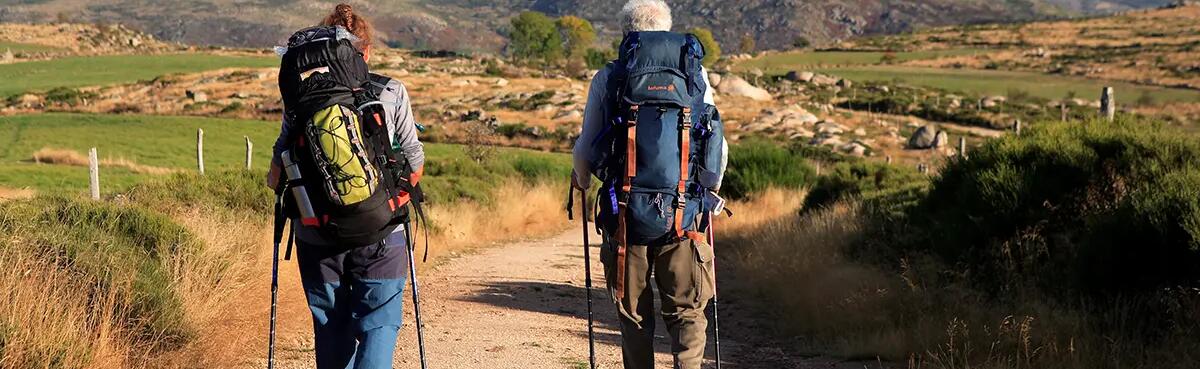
[755, 166]
[712, 49]
[1095, 208]
[859, 178]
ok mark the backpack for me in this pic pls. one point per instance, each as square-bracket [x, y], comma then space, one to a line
[355, 182]
[661, 151]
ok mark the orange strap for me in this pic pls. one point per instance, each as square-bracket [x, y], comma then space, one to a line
[685, 150]
[623, 203]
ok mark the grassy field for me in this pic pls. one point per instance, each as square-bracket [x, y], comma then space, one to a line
[1002, 82]
[17, 47]
[784, 62]
[138, 145]
[104, 70]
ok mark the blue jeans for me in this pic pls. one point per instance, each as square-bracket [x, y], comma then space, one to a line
[356, 297]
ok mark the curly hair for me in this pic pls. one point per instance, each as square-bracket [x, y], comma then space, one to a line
[343, 15]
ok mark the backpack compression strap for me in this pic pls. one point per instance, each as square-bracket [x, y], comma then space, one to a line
[623, 203]
[685, 150]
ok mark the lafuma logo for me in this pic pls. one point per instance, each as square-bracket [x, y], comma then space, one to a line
[661, 88]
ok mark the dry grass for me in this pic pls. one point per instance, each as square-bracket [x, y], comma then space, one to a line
[521, 210]
[221, 290]
[761, 208]
[15, 193]
[807, 270]
[55, 156]
[51, 317]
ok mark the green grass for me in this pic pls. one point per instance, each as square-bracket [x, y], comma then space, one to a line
[170, 142]
[785, 62]
[17, 47]
[113, 69]
[1001, 82]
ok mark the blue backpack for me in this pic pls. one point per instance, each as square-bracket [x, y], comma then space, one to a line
[661, 151]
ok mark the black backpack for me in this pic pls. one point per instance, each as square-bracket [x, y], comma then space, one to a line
[355, 182]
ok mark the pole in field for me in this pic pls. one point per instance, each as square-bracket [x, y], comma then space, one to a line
[1017, 127]
[1108, 104]
[962, 147]
[200, 150]
[249, 151]
[94, 174]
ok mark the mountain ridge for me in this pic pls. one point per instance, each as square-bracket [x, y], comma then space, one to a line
[477, 25]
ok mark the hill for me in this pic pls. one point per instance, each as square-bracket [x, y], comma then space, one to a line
[476, 25]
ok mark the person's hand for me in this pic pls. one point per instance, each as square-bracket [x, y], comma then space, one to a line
[415, 177]
[577, 184]
[273, 176]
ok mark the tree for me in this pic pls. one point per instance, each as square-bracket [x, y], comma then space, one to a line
[578, 34]
[746, 45]
[535, 36]
[712, 49]
[598, 58]
[801, 42]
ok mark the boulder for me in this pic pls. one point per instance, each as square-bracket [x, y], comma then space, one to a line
[854, 149]
[941, 140]
[714, 79]
[845, 83]
[823, 80]
[572, 115]
[830, 128]
[736, 86]
[501, 82]
[197, 96]
[923, 138]
[8, 56]
[797, 76]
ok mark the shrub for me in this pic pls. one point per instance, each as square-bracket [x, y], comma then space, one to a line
[757, 165]
[859, 178]
[712, 49]
[1088, 208]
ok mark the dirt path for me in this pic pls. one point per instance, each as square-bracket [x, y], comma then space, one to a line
[522, 305]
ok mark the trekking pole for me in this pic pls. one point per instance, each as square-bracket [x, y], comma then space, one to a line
[412, 273]
[587, 270]
[279, 227]
[716, 314]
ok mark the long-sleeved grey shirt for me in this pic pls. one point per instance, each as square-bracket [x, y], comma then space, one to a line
[594, 121]
[403, 127]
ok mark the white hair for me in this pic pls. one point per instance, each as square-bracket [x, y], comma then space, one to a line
[645, 15]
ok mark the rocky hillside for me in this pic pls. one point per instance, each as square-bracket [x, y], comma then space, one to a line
[478, 25]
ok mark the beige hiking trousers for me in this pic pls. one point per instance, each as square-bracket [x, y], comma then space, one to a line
[684, 276]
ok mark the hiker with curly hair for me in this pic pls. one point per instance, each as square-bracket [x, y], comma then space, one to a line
[353, 271]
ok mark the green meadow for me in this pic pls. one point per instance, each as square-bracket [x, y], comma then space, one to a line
[113, 69]
[789, 61]
[170, 142]
[17, 47]
[991, 82]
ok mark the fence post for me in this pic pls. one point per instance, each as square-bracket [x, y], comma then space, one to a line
[1017, 127]
[889, 159]
[1108, 104]
[962, 147]
[1062, 109]
[200, 150]
[249, 151]
[94, 174]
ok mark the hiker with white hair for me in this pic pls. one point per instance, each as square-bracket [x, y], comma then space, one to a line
[653, 137]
